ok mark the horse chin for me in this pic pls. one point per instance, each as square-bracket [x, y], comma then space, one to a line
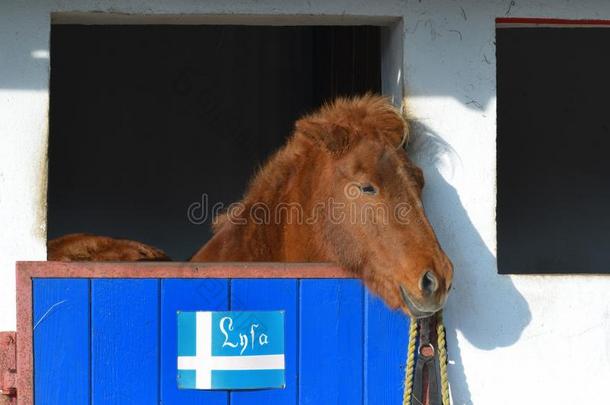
[411, 308]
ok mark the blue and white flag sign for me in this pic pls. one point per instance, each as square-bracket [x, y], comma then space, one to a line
[223, 350]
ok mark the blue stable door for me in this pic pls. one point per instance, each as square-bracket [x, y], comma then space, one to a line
[114, 341]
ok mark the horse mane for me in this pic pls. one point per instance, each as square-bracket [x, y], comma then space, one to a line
[270, 180]
[336, 128]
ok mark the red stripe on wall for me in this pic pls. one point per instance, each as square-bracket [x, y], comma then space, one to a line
[515, 21]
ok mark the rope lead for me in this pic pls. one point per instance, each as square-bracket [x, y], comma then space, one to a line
[406, 398]
[442, 358]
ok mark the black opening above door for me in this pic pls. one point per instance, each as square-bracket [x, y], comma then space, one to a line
[147, 120]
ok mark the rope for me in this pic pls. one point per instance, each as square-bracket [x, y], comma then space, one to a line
[442, 358]
[406, 397]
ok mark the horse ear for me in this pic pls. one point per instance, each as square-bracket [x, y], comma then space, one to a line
[332, 137]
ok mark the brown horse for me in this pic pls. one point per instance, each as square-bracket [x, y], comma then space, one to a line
[341, 190]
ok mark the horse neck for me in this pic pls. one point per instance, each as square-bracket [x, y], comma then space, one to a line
[291, 177]
[289, 182]
[302, 240]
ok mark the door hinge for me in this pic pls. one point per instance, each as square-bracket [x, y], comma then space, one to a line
[8, 368]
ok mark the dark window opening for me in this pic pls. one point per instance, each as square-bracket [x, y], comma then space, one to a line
[147, 120]
[553, 142]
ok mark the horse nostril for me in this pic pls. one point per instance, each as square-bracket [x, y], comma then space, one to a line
[428, 283]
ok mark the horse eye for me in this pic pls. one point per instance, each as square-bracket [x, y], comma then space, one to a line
[368, 189]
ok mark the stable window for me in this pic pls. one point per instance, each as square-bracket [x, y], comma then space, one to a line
[148, 122]
[553, 142]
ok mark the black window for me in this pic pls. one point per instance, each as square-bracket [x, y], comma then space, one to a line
[553, 201]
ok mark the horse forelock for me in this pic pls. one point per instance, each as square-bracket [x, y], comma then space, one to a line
[339, 125]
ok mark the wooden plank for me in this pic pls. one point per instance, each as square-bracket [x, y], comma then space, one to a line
[180, 270]
[125, 341]
[61, 341]
[331, 342]
[265, 295]
[186, 295]
[386, 336]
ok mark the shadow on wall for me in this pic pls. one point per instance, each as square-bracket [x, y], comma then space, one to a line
[485, 308]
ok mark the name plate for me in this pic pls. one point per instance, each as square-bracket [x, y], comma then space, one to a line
[227, 350]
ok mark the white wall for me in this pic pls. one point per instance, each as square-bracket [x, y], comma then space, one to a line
[512, 339]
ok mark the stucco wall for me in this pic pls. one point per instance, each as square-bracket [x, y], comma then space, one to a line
[512, 339]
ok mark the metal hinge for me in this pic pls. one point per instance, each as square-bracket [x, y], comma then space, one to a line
[8, 368]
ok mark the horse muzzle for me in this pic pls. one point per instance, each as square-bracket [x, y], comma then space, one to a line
[417, 309]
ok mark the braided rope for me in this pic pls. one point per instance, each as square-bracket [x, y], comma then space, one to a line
[442, 359]
[410, 366]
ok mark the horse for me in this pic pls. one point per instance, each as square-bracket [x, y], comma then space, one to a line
[342, 190]
[94, 248]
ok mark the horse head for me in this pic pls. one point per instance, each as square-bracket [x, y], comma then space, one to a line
[376, 224]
